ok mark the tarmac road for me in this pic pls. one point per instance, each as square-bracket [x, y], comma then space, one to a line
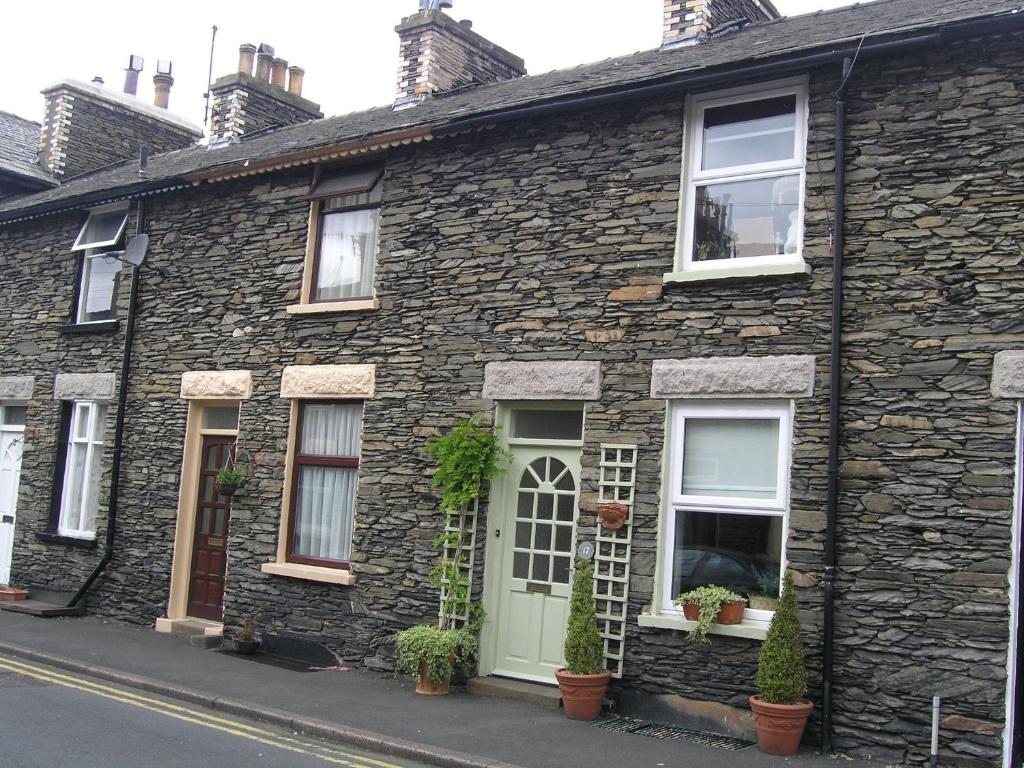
[53, 719]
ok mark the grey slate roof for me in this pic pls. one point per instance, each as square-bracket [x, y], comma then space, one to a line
[750, 45]
[18, 140]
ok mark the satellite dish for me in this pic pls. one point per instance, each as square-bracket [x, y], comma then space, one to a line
[135, 251]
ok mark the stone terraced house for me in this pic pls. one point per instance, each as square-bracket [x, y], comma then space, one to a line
[631, 267]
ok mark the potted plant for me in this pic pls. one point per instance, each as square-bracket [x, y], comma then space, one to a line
[245, 638]
[228, 480]
[584, 678]
[710, 605]
[467, 457]
[780, 711]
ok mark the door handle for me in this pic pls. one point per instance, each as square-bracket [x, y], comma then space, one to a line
[497, 533]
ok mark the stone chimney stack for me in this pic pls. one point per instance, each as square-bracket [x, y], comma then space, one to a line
[439, 54]
[243, 103]
[685, 20]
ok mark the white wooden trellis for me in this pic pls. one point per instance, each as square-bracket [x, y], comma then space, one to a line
[462, 522]
[611, 557]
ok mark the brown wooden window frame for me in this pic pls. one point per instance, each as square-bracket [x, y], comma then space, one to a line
[320, 200]
[300, 460]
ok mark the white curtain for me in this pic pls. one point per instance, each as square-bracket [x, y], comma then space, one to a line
[325, 496]
[347, 253]
[731, 457]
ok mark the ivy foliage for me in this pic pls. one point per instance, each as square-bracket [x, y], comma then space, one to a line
[439, 648]
[781, 674]
[584, 649]
[467, 457]
[710, 600]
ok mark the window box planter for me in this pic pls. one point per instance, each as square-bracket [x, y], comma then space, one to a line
[729, 613]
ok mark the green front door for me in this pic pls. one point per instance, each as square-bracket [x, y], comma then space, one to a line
[533, 529]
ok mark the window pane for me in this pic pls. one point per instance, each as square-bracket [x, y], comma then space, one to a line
[14, 415]
[752, 132]
[80, 428]
[99, 288]
[548, 425]
[100, 424]
[220, 418]
[101, 229]
[740, 552]
[740, 219]
[348, 247]
[325, 498]
[82, 470]
[331, 429]
[731, 457]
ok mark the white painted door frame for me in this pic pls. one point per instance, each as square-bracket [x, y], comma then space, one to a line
[1015, 593]
[501, 513]
[12, 439]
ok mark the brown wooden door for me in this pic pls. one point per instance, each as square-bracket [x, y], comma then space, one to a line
[210, 541]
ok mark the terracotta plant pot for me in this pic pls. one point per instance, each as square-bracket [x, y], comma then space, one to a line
[582, 695]
[779, 726]
[11, 593]
[729, 613]
[428, 687]
[612, 515]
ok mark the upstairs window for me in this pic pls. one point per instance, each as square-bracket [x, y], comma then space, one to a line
[347, 206]
[744, 178]
[100, 243]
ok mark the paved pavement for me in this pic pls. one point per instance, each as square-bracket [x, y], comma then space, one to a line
[359, 707]
[58, 718]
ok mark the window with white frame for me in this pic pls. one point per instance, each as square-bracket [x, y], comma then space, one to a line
[101, 265]
[727, 494]
[80, 487]
[744, 191]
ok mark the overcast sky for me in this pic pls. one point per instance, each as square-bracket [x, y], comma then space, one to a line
[348, 47]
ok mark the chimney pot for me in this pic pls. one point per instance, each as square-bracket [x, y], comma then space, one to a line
[466, 23]
[278, 67]
[295, 75]
[264, 60]
[162, 82]
[246, 57]
[131, 74]
[97, 81]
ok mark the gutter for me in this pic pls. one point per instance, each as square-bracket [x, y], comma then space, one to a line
[122, 402]
[90, 199]
[834, 423]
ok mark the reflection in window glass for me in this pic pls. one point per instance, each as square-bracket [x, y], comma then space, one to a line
[348, 246]
[737, 551]
[743, 219]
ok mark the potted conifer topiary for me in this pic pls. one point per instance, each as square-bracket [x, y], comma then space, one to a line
[584, 679]
[780, 711]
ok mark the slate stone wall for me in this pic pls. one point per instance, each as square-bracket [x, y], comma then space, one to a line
[548, 241]
[82, 134]
[243, 104]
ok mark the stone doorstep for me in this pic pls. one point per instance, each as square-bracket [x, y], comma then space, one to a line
[41, 608]
[189, 627]
[515, 690]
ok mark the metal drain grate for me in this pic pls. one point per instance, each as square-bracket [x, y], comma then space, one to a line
[659, 731]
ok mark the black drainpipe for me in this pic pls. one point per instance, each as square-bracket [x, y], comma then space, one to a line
[835, 385]
[122, 401]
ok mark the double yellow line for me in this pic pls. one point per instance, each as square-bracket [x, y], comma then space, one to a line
[196, 717]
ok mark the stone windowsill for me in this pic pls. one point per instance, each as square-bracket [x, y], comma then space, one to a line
[754, 630]
[733, 272]
[87, 542]
[329, 307]
[77, 329]
[310, 573]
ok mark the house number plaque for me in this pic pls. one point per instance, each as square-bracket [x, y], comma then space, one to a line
[585, 550]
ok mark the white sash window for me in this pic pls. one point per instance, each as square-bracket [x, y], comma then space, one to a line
[80, 490]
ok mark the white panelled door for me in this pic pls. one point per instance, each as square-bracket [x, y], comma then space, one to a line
[538, 518]
[12, 437]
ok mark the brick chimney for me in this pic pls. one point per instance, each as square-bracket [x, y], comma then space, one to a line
[244, 103]
[439, 54]
[686, 20]
[88, 126]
